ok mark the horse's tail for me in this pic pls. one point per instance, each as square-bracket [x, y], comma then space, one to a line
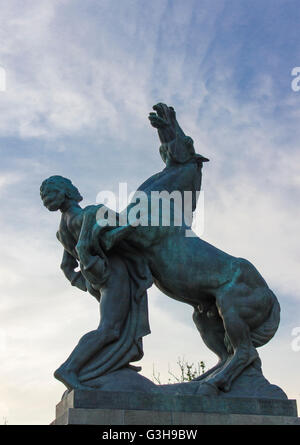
[261, 335]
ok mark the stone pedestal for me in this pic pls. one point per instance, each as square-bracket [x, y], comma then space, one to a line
[85, 407]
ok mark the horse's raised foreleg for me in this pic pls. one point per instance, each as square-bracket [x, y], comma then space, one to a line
[211, 329]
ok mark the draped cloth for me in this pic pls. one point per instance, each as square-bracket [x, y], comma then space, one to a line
[129, 346]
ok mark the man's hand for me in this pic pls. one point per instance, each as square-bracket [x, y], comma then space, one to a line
[79, 281]
[92, 291]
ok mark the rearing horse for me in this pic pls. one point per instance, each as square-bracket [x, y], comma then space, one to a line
[234, 309]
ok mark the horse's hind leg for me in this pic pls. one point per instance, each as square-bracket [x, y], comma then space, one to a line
[211, 329]
[244, 352]
[244, 305]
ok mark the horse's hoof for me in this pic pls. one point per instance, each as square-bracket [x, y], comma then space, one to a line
[207, 389]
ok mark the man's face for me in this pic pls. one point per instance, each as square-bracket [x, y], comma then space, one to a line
[52, 198]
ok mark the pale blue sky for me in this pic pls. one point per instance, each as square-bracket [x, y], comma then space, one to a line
[81, 79]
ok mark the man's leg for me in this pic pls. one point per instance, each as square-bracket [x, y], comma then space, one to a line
[114, 309]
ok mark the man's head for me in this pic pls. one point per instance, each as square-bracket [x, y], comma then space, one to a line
[56, 190]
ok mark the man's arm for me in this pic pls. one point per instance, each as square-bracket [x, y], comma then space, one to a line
[68, 266]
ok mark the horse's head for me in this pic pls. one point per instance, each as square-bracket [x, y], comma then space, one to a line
[164, 120]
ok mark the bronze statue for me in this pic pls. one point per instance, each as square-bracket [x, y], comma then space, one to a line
[234, 309]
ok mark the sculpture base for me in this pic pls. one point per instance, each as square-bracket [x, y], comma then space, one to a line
[96, 407]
